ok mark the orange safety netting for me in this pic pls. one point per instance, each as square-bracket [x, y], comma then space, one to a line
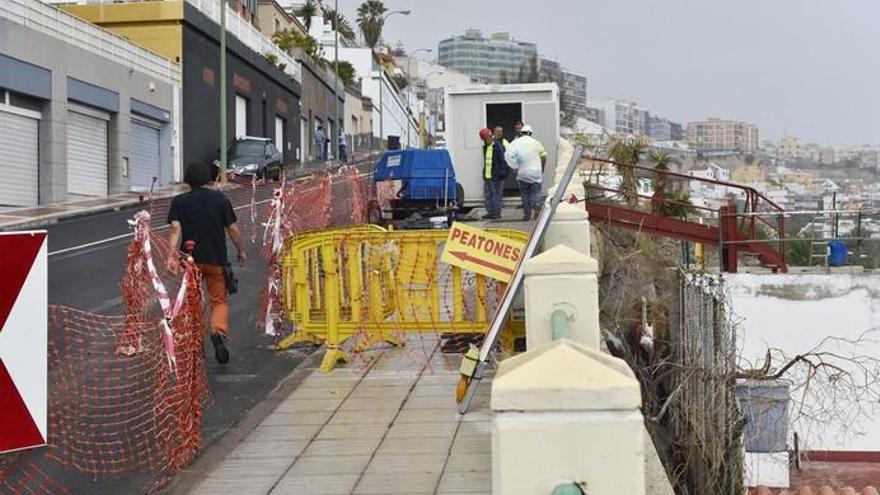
[327, 200]
[127, 393]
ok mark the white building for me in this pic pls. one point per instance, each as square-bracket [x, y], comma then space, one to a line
[707, 194]
[619, 116]
[390, 114]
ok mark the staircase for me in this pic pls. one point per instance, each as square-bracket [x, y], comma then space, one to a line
[733, 231]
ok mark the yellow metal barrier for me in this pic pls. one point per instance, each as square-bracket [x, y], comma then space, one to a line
[377, 284]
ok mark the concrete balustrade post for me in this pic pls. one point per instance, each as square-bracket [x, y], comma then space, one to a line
[570, 225]
[566, 414]
[562, 279]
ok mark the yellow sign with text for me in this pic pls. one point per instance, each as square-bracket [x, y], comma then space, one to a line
[482, 252]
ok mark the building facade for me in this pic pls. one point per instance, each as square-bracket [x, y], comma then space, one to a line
[81, 121]
[271, 18]
[549, 70]
[318, 107]
[358, 120]
[391, 117]
[574, 94]
[723, 135]
[263, 96]
[491, 59]
[619, 116]
[661, 129]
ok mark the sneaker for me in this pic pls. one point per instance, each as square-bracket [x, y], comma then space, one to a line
[220, 352]
[527, 218]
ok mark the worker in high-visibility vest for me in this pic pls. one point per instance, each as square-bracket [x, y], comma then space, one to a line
[498, 134]
[494, 173]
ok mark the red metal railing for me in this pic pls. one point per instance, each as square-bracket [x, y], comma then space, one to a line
[758, 212]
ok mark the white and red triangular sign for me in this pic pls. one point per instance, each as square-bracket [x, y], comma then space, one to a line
[23, 340]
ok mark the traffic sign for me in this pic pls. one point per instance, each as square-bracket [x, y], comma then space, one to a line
[474, 249]
[23, 340]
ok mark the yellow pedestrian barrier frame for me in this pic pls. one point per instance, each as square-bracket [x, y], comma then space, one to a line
[371, 282]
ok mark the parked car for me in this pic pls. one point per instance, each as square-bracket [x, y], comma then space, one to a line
[255, 156]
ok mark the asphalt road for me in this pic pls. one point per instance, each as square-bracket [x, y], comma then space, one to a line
[86, 261]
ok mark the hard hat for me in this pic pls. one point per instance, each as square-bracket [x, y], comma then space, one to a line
[485, 133]
[526, 129]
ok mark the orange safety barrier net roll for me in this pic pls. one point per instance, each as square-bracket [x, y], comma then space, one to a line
[127, 392]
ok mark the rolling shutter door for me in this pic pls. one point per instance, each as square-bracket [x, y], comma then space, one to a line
[87, 155]
[144, 156]
[19, 160]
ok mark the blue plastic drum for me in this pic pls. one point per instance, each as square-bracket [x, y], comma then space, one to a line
[837, 253]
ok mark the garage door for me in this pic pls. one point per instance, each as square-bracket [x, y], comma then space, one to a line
[19, 160]
[87, 161]
[144, 158]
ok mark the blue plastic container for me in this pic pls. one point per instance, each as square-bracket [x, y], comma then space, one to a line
[837, 253]
[426, 174]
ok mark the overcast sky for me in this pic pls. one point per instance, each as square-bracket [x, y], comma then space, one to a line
[808, 68]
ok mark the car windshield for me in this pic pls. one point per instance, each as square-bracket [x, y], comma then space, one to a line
[248, 148]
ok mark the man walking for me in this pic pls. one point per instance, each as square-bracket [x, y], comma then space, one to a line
[320, 144]
[343, 148]
[205, 216]
[528, 157]
[494, 173]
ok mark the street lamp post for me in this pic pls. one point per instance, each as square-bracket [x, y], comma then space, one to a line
[401, 12]
[408, 93]
[223, 156]
[336, 78]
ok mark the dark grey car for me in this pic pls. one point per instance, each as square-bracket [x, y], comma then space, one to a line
[255, 156]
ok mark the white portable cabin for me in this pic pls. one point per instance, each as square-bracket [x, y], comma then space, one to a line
[471, 108]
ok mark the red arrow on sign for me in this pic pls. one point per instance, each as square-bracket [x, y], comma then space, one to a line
[465, 257]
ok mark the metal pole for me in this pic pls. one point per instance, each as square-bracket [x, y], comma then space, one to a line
[223, 89]
[336, 78]
[381, 109]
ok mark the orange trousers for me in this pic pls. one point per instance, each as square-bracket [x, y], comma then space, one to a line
[218, 297]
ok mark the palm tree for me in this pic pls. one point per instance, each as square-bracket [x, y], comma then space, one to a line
[661, 166]
[371, 20]
[307, 12]
[628, 152]
[344, 27]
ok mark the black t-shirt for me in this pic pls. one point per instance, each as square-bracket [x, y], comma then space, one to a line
[204, 215]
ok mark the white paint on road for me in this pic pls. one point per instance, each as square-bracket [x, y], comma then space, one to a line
[84, 248]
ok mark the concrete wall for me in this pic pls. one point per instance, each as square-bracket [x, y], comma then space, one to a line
[795, 313]
[269, 91]
[161, 34]
[65, 60]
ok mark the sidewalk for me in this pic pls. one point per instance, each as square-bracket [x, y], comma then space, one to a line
[37, 216]
[387, 427]
[384, 428]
